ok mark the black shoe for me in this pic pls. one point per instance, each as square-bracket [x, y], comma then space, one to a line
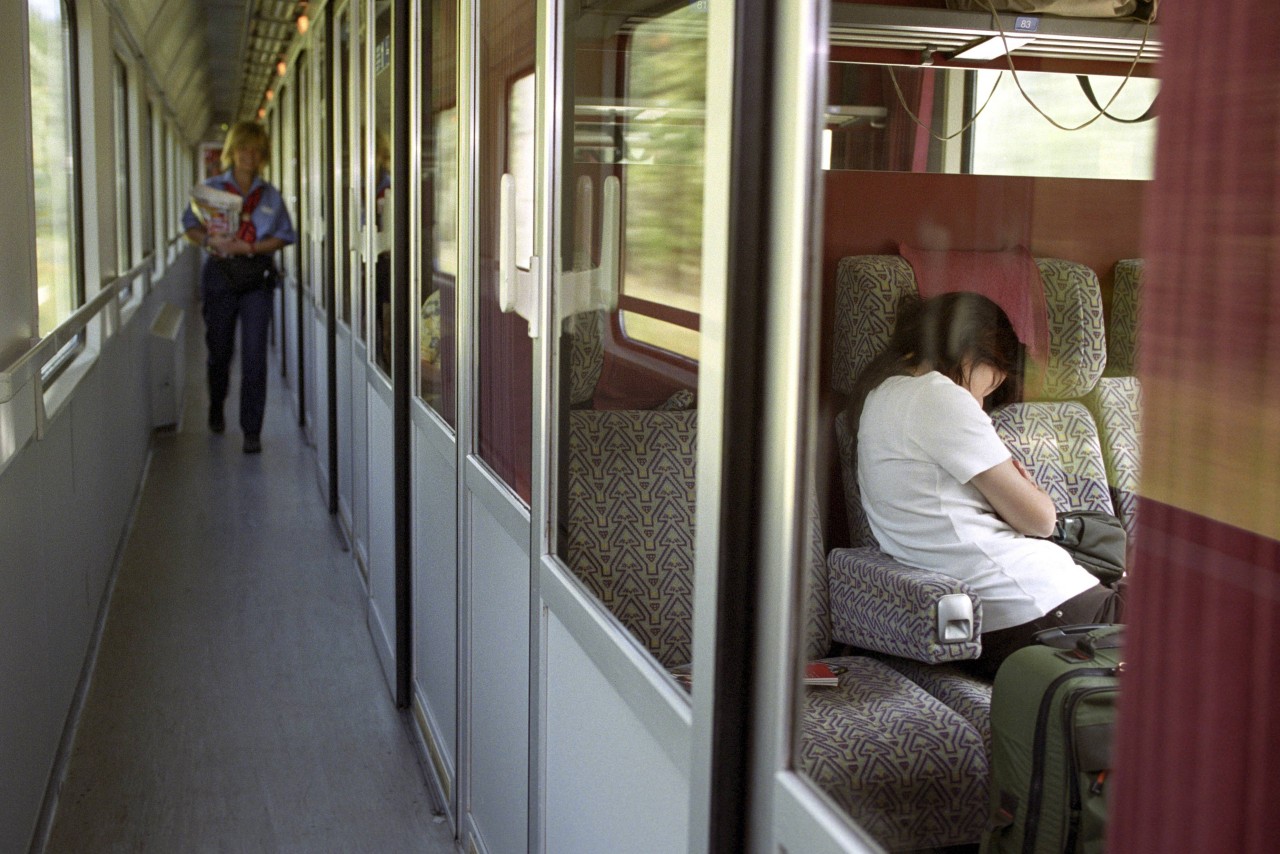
[216, 422]
[252, 444]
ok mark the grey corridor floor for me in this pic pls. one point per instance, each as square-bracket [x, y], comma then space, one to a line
[237, 704]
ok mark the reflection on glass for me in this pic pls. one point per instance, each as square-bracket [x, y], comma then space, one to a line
[124, 183]
[627, 455]
[342, 190]
[383, 199]
[908, 653]
[960, 121]
[520, 106]
[53, 163]
[504, 405]
[362, 169]
[1011, 138]
[661, 149]
[436, 335]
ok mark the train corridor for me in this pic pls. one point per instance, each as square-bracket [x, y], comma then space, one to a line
[237, 703]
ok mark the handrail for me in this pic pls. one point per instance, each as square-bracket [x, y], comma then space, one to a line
[27, 366]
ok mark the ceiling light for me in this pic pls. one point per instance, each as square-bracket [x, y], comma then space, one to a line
[281, 68]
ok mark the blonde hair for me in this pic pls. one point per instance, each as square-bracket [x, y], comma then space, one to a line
[245, 134]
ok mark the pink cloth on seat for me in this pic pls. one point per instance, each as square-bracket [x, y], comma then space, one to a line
[1009, 278]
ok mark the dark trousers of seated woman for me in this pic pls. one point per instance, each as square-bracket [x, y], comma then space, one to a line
[1098, 604]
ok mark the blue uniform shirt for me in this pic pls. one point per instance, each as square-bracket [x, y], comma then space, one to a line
[270, 217]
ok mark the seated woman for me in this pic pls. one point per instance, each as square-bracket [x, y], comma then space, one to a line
[940, 489]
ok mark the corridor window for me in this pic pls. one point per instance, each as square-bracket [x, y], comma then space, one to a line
[53, 108]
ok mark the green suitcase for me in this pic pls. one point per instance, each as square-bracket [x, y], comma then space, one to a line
[1052, 716]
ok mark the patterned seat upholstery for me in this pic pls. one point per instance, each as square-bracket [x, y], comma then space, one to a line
[1058, 443]
[586, 355]
[1122, 332]
[1116, 402]
[631, 491]
[962, 692]
[910, 770]
[880, 605]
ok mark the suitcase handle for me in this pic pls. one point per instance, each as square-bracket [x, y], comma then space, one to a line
[1080, 637]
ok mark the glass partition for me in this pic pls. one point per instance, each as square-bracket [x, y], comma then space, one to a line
[629, 294]
[504, 374]
[383, 197]
[437, 341]
[362, 168]
[343, 194]
[944, 180]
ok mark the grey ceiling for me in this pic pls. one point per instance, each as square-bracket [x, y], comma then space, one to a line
[246, 38]
[209, 60]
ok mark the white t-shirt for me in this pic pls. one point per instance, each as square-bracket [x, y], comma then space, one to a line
[920, 442]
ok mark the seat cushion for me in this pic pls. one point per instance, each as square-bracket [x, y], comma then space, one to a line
[910, 770]
[631, 492]
[961, 691]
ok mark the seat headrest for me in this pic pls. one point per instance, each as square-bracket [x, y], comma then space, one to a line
[1122, 334]
[869, 289]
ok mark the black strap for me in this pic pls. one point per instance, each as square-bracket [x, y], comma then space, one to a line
[1093, 99]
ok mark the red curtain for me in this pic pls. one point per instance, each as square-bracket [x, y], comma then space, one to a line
[907, 146]
[1198, 743]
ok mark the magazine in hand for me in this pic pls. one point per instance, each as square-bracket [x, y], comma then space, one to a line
[217, 210]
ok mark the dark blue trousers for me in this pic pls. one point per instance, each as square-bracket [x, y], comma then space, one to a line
[222, 306]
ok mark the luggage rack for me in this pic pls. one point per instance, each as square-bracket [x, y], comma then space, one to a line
[944, 33]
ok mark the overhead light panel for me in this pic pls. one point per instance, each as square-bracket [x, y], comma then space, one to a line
[994, 47]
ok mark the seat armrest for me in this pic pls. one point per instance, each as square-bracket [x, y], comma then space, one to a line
[884, 606]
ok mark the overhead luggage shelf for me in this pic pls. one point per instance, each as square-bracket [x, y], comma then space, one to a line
[947, 32]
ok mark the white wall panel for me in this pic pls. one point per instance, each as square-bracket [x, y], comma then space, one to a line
[65, 504]
[382, 552]
[318, 400]
[359, 452]
[435, 586]
[499, 681]
[26, 753]
[346, 492]
[609, 785]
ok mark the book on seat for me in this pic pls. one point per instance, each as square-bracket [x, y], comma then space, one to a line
[816, 673]
[822, 674]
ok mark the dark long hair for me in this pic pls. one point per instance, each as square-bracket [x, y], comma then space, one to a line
[943, 333]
